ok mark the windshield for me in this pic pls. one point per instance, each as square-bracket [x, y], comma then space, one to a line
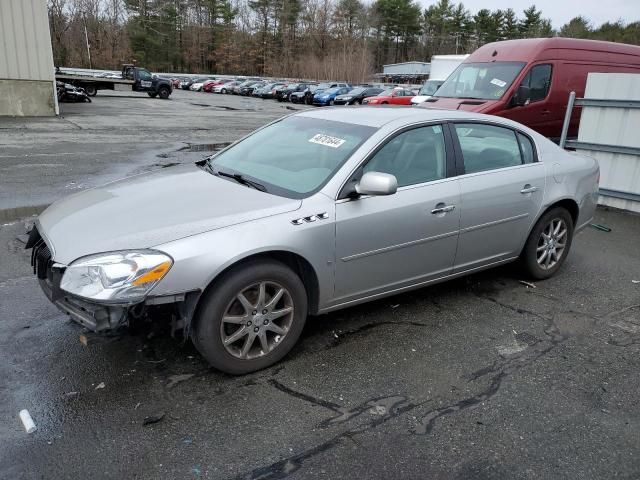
[295, 156]
[324, 85]
[485, 81]
[430, 87]
[386, 93]
[357, 91]
[331, 90]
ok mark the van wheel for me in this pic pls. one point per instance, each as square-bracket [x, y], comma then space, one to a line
[548, 244]
[251, 317]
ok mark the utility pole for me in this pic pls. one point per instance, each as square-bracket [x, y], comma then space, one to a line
[86, 38]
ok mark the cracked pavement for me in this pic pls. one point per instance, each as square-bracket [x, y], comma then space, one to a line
[482, 377]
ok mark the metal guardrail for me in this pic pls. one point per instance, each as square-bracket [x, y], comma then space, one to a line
[595, 102]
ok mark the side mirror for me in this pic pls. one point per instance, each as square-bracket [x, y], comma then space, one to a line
[521, 97]
[377, 183]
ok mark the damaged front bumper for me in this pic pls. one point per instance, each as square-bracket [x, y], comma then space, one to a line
[101, 317]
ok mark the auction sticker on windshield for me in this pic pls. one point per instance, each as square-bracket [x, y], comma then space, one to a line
[498, 82]
[326, 140]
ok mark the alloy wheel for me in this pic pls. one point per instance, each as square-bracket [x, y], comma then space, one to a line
[551, 243]
[256, 320]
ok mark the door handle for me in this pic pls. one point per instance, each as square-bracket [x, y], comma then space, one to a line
[528, 189]
[442, 208]
[546, 112]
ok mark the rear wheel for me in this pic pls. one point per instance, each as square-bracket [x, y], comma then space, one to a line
[164, 93]
[152, 94]
[91, 90]
[251, 318]
[548, 244]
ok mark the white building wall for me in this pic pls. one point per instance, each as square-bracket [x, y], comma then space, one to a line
[26, 59]
[619, 172]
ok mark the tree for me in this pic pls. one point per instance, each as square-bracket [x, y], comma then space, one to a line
[577, 27]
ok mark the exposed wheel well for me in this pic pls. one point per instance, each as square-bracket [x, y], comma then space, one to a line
[295, 262]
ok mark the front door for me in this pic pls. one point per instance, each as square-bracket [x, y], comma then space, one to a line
[384, 243]
[501, 193]
[539, 113]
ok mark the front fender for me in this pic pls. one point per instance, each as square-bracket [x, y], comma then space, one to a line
[199, 259]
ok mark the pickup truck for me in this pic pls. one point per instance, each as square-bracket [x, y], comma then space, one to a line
[140, 80]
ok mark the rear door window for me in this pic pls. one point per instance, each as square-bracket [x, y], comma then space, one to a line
[487, 147]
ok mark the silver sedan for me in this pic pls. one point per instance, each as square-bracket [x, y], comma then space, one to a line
[317, 211]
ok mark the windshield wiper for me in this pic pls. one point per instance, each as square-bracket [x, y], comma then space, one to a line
[242, 179]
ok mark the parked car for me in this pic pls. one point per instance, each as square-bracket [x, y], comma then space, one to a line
[236, 90]
[186, 83]
[327, 85]
[394, 96]
[247, 90]
[225, 87]
[284, 95]
[271, 92]
[327, 97]
[396, 199]
[357, 95]
[198, 83]
[427, 90]
[209, 84]
[530, 80]
[306, 96]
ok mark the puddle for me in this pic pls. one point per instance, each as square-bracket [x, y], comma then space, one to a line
[8, 215]
[205, 147]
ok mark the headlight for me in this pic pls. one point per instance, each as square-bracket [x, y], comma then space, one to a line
[347, 98]
[125, 276]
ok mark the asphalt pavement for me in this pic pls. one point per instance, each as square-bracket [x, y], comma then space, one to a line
[483, 377]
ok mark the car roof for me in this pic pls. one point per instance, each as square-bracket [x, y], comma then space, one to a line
[379, 116]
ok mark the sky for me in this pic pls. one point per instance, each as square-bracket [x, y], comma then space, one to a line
[561, 11]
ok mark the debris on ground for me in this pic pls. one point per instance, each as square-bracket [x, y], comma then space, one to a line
[395, 306]
[71, 394]
[151, 419]
[635, 281]
[27, 421]
[597, 226]
[137, 405]
[175, 379]
[527, 284]
[83, 339]
[100, 386]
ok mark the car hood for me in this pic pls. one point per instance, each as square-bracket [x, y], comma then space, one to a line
[420, 98]
[467, 104]
[151, 209]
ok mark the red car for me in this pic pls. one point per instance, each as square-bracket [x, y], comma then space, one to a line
[209, 84]
[394, 96]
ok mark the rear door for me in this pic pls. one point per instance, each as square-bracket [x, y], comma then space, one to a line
[502, 186]
[384, 243]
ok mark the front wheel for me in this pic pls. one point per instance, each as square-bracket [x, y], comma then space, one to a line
[251, 317]
[152, 94]
[548, 244]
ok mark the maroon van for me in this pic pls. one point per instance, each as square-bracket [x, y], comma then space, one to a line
[529, 81]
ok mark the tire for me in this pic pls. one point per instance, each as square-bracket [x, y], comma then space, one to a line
[164, 93]
[87, 99]
[91, 90]
[224, 90]
[359, 101]
[540, 258]
[152, 94]
[222, 301]
[331, 102]
[384, 103]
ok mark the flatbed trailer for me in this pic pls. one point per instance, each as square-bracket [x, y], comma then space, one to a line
[139, 80]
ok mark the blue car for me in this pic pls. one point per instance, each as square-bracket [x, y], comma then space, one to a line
[327, 97]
